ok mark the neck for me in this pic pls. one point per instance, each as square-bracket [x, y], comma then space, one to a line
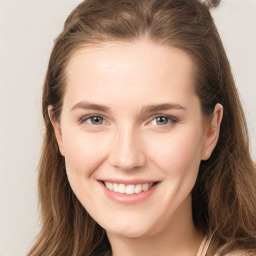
[179, 238]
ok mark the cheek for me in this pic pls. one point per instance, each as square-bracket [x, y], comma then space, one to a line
[83, 155]
[178, 152]
[83, 152]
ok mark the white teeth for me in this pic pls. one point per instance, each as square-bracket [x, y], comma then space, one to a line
[121, 188]
[145, 187]
[137, 189]
[115, 187]
[107, 184]
[110, 186]
[128, 189]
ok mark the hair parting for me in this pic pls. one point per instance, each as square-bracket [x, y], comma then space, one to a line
[211, 3]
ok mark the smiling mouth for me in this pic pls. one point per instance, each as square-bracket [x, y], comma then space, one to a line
[128, 189]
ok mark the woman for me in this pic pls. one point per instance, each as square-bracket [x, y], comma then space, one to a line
[146, 146]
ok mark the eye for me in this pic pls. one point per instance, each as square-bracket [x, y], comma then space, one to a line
[163, 120]
[92, 120]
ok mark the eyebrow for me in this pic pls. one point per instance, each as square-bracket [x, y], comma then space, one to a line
[161, 107]
[91, 106]
[145, 110]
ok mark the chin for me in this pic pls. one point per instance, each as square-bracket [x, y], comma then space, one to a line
[132, 230]
[131, 233]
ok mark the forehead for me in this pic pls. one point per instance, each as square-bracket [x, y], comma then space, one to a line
[141, 68]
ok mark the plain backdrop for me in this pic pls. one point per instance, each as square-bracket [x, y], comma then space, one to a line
[27, 31]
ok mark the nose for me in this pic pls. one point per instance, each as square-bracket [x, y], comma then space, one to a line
[126, 151]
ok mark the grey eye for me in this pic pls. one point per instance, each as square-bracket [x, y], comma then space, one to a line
[162, 120]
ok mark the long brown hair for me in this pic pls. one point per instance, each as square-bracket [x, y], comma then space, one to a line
[224, 196]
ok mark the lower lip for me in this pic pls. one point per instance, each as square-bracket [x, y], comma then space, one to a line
[128, 199]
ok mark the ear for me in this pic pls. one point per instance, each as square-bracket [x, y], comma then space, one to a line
[212, 132]
[57, 129]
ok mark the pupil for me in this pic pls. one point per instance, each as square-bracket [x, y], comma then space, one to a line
[161, 120]
[96, 119]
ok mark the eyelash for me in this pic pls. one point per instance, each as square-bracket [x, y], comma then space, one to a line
[170, 120]
[89, 117]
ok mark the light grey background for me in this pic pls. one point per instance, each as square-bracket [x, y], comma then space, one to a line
[27, 31]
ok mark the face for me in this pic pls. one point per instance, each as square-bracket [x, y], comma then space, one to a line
[133, 135]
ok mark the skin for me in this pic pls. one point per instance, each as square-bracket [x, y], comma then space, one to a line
[127, 142]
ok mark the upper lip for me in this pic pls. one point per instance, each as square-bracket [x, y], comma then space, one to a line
[129, 182]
